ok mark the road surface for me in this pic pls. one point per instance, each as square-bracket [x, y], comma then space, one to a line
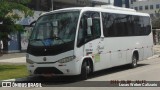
[148, 70]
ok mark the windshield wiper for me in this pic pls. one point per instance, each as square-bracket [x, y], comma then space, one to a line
[35, 39]
[55, 38]
[38, 40]
[58, 38]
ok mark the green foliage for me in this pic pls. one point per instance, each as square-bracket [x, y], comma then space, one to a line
[19, 1]
[12, 71]
[7, 8]
[156, 23]
[8, 15]
[156, 20]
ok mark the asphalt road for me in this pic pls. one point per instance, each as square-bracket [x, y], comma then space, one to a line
[148, 70]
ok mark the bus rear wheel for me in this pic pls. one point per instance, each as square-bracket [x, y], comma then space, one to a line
[134, 61]
[84, 71]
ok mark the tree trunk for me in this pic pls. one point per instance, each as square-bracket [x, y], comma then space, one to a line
[5, 45]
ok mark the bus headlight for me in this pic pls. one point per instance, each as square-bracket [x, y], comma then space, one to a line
[67, 59]
[27, 56]
[29, 61]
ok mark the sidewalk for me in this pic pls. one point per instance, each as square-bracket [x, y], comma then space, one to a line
[12, 55]
[13, 58]
[156, 49]
[19, 58]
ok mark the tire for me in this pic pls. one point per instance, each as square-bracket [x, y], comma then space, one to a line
[84, 71]
[134, 61]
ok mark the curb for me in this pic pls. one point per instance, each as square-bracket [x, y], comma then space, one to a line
[155, 56]
[17, 61]
[10, 80]
[16, 79]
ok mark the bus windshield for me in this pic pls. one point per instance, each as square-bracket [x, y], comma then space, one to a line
[55, 29]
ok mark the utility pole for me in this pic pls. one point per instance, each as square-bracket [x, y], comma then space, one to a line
[109, 1]
[52, 4]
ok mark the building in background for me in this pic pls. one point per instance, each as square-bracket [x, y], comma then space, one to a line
[48, 5]
[100, 2]
[19, 41]
[151, 7]
[122, 3]
[146, 6]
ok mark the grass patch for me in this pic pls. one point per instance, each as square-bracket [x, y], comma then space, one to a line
[13, 71]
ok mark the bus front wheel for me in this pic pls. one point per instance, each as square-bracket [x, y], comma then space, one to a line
[84, 71]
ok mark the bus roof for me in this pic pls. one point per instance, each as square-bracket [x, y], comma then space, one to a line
[107, 9]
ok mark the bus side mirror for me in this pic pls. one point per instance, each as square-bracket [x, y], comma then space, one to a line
[32, 23]
[55, 23]
[89, 22]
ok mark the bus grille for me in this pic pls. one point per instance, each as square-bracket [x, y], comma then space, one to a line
[47, 70]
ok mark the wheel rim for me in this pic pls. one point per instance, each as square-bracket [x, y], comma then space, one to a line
[134, 61]
[87, 69]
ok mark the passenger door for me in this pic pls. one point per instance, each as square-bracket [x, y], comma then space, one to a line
[89, 36]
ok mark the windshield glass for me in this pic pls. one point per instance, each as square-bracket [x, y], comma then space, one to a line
[55, 29]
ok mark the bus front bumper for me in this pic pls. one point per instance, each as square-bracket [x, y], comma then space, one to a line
[57, 69]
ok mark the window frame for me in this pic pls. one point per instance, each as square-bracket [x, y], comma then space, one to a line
[140, 8]
[151, 7]
[138, 28]
[136, 8]
[146, 7]
[84, 42]
[157, 6]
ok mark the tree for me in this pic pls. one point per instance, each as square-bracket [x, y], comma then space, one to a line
[8, 17]
[156, 20]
